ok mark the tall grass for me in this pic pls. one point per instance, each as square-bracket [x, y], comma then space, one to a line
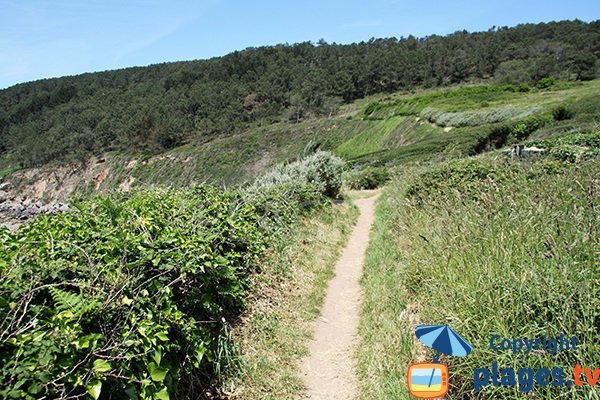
[385, 343]
[489, 248]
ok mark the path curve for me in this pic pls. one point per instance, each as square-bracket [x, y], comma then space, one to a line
[329, 372]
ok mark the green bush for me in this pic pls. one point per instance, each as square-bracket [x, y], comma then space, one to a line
[129, 297]
[477, 117]
[280, 204]
[321, 169]
[367, 178]
[545, 83]
[571, 147]
[522, 129]
[288, 190]
[501, 135]
[561, 113]
[464, 175]
[123, 295]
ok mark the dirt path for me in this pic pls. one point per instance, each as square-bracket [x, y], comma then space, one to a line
[329, 372]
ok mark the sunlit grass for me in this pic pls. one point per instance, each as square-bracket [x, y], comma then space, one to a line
[514, 254]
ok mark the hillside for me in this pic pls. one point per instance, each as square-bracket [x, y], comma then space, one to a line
[152, 109]
[383, 129]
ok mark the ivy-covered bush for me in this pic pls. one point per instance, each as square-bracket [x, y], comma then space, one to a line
[123, 296]
[129, 297]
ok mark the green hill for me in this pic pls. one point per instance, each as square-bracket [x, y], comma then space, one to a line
[383, 129]
[156, 108]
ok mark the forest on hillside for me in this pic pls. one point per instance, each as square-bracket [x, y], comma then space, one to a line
[155, 108]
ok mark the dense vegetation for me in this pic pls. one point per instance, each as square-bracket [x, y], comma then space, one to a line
[490, 247]
[162, 106]
[132, 296]
[367, 178]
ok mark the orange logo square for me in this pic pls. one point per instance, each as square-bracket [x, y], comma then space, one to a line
[427, 380]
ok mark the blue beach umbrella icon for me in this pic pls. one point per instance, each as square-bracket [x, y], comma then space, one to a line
[444, 340]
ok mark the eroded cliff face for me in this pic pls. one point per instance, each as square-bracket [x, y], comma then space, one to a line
[29, 193]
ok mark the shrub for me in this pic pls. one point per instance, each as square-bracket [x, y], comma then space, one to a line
[561, 113]
[478, 117]
[501, 135]
[322, 169]
[571, 147]
[522, 129]
[280, 204]
[130, 296]
[123, 295]
[290, 189]
[545, 83]
[367, 178]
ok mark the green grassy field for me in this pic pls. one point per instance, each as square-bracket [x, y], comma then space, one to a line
[488, 247]
[484, 244]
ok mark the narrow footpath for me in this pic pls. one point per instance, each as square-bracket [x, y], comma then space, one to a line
[329, 372]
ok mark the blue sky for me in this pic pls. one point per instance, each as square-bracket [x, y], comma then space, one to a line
[48, 38]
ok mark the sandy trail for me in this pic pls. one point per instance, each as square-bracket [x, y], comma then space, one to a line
[329, 372]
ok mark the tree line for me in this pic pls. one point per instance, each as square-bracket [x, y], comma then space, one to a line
[158, 107]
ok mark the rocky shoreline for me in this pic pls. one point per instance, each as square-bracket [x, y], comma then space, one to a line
[16, 211]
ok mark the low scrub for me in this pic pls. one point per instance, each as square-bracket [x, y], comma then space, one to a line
[321, 169]
[367, 178]
[571, 147]
[476, 118]
[130, 296]
[289, 189]
[562, 113]
[466, 175]
[416, 104]
[501, 135]
[123, 296]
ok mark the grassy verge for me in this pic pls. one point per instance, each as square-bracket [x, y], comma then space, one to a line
[488, 248]
[287, 297]
[384, 351]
